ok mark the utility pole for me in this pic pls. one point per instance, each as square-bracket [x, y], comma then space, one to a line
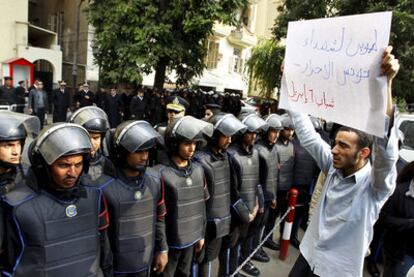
[75, 53]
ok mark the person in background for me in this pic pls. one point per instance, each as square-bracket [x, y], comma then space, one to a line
[21, 93]
[38, 102]
[61, 102]
[7, 97]
[397, 219]
[84, 97]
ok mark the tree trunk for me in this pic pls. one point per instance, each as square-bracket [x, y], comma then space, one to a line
[160, 74]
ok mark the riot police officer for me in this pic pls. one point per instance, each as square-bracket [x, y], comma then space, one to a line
[14, 128]
[176, 108]
[135, 203]
[286, 152]
[95, 121]
[53, 223]
[185, 193]
[216, 165]
[269, 171]
[245, 160]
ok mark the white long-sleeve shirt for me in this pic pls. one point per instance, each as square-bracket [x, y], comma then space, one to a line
[341, 227]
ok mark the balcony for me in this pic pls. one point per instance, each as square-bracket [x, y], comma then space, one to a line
[242, 37]
[37, 37]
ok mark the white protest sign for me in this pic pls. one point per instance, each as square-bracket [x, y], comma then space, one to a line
[332, 70]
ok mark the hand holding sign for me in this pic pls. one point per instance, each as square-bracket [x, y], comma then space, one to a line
[332, 69]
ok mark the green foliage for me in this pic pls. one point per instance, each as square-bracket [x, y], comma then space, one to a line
[264, 66]
[133, 37]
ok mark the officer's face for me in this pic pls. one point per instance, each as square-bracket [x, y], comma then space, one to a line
[186, 149]
[96, 139]
[208, 114]
[10, 151]
[224, 142]
[272, 136]
[287, 133]
[171, 114]
[66, 170]
[249, 138]
[137, 159]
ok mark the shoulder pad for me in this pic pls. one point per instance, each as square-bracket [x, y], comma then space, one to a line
[199, 156]
[155, 171]
[19, 195]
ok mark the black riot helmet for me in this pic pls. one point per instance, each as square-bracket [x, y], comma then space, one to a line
[186, 128]
[225, 124]
[253, 122]
[16, 126]
[92, 118]
[55, 141]
[132, 136]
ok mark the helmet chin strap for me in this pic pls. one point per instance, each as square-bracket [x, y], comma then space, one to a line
[139, 168]
[7, 165]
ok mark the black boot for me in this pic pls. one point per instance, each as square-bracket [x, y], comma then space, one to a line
[271, 245]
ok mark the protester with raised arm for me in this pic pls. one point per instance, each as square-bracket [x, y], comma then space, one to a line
[355, 189]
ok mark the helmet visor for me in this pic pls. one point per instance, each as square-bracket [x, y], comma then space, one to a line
[254, 123]
[190, 127]
[137, 134]
[229, 125]
[85, 114]
[62, 139]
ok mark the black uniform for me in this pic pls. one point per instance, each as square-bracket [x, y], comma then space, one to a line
[138, 107]
[113, 108]
[84, 98]
[20, 95]
[61, 102]
[306, 173]
[7, 97]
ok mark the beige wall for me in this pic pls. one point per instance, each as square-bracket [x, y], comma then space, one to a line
[266, 15]
[12, 33]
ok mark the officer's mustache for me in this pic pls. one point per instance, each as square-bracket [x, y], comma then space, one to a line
[70, 178]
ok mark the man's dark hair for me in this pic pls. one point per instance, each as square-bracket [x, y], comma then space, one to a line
[364, 139]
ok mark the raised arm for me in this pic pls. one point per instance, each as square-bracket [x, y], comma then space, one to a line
[385, 149]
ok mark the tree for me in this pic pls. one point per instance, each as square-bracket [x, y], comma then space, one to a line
[135, 37]
[264, 65]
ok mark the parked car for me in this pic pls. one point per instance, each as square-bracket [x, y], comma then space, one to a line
[405, 123]
[255, 103]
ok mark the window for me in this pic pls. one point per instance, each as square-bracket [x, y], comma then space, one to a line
[212, 54]
[237, 61]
